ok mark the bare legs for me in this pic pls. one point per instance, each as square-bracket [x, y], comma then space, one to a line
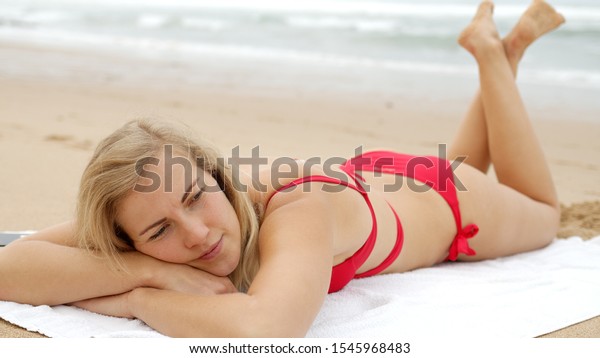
[472, 138]
[520, 211]
[497, 127]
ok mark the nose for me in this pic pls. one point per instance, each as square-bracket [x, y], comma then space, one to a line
[195, 233]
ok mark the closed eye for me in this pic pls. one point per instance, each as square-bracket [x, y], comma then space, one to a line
[159, 233]
[197, 196]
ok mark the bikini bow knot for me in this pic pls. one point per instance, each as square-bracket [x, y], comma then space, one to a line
[460, 244]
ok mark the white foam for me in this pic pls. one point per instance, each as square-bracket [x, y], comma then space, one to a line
[383, 26]
[156, 47]
[378, 24]
[408, 8]
[204, 23]
[152, 20]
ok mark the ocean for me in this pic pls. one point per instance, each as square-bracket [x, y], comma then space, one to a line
[397, 36]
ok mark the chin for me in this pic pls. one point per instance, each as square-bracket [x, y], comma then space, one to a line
[220, 272]
[222, 269]
[227, 270]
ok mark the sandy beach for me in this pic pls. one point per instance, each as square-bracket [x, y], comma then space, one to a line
[50, 124]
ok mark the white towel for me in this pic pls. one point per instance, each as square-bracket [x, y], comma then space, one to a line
[524, 295]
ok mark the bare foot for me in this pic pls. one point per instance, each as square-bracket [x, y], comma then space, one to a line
[539, 19]
[481, 32]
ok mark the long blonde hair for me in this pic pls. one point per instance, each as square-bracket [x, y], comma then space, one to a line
[111, 175]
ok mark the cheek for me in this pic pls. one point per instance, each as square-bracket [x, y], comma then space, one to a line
[163, 250]
[220, 212]
[233, 223]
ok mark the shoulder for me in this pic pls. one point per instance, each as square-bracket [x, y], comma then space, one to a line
[61, 234]
[315, 211]
[286, 208]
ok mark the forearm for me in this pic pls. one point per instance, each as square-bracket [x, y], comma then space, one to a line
[38, 272]
[182, 315]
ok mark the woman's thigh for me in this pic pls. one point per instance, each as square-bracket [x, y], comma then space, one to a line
[509, 221]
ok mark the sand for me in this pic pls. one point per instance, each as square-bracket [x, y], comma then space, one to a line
[49, 126]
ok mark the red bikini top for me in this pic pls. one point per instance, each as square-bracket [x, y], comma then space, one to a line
[345, 271]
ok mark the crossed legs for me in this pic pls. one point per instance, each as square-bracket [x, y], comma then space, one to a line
[471, 139]
[475, 139]
[520, 211]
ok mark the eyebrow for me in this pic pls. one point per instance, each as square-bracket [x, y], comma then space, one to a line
[188, 190]
[185, 195]
[152, 225]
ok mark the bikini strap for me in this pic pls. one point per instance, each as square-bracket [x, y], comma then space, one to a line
[394, 253]
[318, 178]
[433, 171]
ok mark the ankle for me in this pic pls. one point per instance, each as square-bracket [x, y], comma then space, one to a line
[489, 49]
[515, 44]
[513, 50]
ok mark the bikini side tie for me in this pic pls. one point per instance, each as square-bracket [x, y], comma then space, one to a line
[460, 244]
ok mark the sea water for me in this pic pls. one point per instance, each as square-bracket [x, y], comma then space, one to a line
[356, 35]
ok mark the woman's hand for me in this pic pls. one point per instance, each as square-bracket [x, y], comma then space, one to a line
[172, 277]
[187, 279]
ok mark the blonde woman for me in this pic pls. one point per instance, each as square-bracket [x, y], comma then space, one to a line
[167, 233]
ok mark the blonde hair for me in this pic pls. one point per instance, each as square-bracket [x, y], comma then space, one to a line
[111, 175]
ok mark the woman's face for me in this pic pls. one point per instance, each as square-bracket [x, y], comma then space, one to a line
[186, 219]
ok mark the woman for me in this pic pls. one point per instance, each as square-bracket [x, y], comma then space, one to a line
[165, 233]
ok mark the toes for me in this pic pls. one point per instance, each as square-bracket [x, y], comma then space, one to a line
[486, 8]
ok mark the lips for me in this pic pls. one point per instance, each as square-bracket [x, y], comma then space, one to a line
[213, 250]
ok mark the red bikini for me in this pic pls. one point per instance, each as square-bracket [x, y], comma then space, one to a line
[432, 171]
